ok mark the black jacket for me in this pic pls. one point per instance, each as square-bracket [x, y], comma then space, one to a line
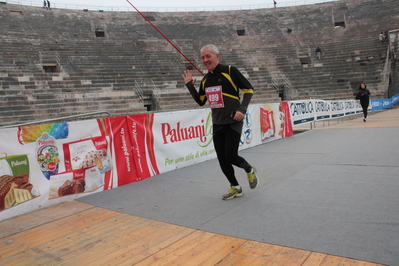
[231, 80]
[363, 95]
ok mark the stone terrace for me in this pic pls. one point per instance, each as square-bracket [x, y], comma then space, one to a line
[52, 64]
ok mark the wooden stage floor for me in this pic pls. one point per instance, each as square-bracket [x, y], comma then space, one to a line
[75, 233]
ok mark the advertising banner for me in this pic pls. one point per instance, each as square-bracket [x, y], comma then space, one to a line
[307, 111]
[302, 111]
[183, 138]
[250, 135]
[75, 182]
[322, 109]
[17, 186]
[41, 165]
[142, 145]
[351, 107]
[33, 158]
[378, 104]
[121, 158]
[337, 109]
[275, 121]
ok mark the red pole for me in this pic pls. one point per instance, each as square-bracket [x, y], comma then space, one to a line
[174, 46]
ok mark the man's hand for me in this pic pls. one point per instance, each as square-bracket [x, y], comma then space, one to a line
[188, 76]
[238, 116]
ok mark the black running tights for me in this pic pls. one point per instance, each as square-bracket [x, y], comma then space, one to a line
[226, 142]
[365, 105]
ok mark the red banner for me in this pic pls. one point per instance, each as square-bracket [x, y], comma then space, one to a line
[117, 130]
[143, 145]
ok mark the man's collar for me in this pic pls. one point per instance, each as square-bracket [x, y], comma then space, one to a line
[216, 68]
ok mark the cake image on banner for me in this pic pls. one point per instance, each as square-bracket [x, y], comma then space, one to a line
[75, 182]
[16, 186]
[87, 153]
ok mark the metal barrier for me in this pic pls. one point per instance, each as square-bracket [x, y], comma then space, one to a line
[57, 119]
[157, 8]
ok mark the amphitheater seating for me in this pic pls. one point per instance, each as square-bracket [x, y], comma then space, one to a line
[52, 64]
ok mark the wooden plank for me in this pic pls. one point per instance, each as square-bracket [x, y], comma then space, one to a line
[161, 257]
[45, 233]
[298, 257]
[365, 263]
[184, 252]
[74, 231]
[315, 259]
[40, 217]
[100, 234]
[78, 243]
[184, 246]
[246, 254]
[203, 250]
[331, 261]
[67, 225]
[223, 254]
[162, 244]
[289, 256]
[60, 246]
[79, 248]
[353, 262]
[95, 245]
[349, 262]
[268, 255]
[157, 235]
[134, 250]
[132, 244]
[281, 257]
[261, 254]
[30, 257]
[73, 248]
[120, 224]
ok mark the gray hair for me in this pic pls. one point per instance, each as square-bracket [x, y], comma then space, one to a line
[214, 49]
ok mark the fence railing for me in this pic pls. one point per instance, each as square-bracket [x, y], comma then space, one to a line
[63, 119]
[128, 8]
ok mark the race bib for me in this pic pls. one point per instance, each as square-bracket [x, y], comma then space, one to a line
[214, 96]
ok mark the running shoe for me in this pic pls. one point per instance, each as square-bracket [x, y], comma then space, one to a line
[253, 178]
[232, 193]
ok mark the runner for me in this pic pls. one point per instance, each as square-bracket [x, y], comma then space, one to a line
[220, 87]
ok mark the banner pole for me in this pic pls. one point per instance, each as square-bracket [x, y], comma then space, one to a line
[166, 38]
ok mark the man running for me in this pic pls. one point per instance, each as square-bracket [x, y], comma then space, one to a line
[220, 87]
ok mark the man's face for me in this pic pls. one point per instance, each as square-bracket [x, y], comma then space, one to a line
[209, 59]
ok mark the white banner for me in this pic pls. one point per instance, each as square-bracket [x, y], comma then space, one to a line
[307, 111]
[42, 147]
[182, 138]
[302, 111]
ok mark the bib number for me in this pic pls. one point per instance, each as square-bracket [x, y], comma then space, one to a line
[214, 96]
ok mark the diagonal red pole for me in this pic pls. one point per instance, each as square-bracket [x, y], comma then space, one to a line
[166, 38]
